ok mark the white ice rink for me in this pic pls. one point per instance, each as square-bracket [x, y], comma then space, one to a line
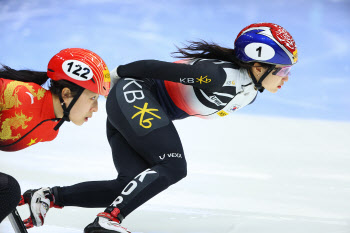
[246, 174]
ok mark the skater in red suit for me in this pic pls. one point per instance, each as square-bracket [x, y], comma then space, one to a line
[30, 114]
[210, 82]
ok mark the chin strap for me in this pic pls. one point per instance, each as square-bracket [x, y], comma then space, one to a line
[258, 84]
[66, 110]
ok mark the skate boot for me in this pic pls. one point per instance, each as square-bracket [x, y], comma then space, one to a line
[106, 223]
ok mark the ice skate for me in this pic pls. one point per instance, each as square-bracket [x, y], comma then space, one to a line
[105, 223]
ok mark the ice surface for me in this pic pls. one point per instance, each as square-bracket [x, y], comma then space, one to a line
[246, 174]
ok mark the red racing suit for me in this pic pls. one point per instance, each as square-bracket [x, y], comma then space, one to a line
[26, 115]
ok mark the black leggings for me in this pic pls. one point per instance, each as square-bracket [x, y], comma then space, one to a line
[147, 152]
[10, 195]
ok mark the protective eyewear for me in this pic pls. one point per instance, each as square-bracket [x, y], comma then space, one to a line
[282, 71]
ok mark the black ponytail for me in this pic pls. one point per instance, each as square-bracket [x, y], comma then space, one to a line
[206, 50]
[23, 75]
[39, 78]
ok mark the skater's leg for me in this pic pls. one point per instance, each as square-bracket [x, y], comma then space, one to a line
[101, 193]
[137, 115]
[134, 111]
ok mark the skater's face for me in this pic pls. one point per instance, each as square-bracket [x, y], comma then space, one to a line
[83, 109]
[276, 78]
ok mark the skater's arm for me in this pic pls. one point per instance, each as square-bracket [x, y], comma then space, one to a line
[202, 74]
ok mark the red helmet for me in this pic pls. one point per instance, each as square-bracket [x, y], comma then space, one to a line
[82, 67]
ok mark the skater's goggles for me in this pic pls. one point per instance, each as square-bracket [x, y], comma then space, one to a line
[282, 71]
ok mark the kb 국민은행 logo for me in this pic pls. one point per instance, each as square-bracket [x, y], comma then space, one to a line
[145, 123]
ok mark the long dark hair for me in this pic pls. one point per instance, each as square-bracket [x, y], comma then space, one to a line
[211, 50]
[39, 78]
[23, 75]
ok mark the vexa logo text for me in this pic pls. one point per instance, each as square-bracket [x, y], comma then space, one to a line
[171, 155]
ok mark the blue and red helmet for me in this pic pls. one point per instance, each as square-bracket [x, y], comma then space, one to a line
[267, 43]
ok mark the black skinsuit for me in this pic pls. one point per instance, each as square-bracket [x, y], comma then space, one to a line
[10, 194]
[147, 151]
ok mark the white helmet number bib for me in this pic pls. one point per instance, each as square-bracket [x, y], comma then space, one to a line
[77, 70]
[259, 51]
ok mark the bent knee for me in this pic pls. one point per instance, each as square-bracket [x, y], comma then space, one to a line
[14, 190]
[10, 189]
[176, 173]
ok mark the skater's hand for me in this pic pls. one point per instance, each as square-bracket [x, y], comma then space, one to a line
[28, 223]
[39, 202]
[22, 201]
